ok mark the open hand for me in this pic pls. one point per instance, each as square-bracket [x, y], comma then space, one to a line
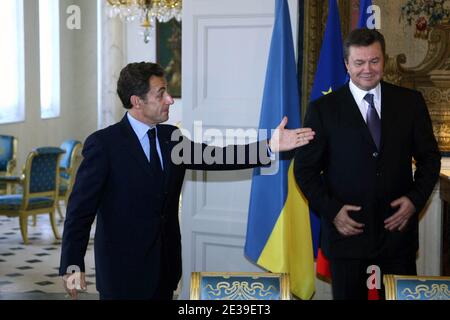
[400, 218]
[345, 225]
[287, 139]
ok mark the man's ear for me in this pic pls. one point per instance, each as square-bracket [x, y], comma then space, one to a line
[135, 101]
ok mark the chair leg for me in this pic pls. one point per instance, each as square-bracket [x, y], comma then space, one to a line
[53, 223]
[34, 220]
[23, 220]
[58, 206]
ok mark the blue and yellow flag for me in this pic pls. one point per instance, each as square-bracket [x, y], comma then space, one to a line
[278, 230]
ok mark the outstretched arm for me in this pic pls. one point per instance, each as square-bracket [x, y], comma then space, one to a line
[197, 156]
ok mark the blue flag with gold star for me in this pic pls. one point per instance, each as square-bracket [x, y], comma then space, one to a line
[330, 75]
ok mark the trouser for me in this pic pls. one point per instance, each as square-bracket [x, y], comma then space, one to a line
[164, 290]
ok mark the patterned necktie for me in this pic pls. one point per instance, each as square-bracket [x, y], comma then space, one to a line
[155, 163]
[373, 120]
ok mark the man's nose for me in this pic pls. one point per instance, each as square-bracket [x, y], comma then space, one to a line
[169, 99]
[367, 67]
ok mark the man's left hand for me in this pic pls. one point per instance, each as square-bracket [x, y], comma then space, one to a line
[400, 218]
[287, 139]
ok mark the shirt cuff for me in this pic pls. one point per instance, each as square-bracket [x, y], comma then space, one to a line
[271, 154]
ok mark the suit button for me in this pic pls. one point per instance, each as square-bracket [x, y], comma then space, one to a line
[378, 174]
[375, 154]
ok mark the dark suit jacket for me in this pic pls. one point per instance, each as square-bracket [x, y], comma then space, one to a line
[137, 219]
[343, 166]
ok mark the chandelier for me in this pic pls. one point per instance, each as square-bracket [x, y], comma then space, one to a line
[147, 11]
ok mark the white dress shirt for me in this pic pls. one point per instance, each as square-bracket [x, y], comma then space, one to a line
[141, 129]
[363, 105]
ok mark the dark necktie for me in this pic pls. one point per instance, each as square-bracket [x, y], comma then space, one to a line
[155, 163]
[373, 120]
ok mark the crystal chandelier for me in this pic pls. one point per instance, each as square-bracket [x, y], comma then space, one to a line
[147, 11]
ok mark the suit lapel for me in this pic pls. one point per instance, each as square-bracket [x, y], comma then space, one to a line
[352, 115]
[134, 146]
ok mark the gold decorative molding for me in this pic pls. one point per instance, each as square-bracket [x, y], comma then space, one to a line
[312, 30]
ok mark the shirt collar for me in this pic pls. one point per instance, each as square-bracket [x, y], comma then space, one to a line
[139, 127]
[359, 94]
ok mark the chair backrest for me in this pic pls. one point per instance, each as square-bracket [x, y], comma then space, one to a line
[398, 287]
[8, 150]
[71, 147]
[41, 172]
[239, 286]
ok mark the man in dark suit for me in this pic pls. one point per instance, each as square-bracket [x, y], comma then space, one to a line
[357, 172]
[130, 179]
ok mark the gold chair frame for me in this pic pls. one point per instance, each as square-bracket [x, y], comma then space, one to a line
[390, 283]
[285, 293]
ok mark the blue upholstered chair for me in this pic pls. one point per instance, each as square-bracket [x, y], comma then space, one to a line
[239, 286]
[416, 287]
[68, 166]
[8, 151]
[40, 183]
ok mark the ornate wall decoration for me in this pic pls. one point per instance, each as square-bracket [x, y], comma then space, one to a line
[425, 14]
[432, 75]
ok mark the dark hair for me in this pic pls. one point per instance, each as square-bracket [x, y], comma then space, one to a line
[134, 80]
[362, 38]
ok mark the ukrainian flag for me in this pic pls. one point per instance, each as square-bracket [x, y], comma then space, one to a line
[278, 229]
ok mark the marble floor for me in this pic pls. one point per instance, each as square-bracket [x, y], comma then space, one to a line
[31, 271]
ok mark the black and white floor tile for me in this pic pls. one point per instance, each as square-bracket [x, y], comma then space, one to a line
[31, 271]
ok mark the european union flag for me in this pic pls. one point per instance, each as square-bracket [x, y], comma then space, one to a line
[331, 73]
[363, 14]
